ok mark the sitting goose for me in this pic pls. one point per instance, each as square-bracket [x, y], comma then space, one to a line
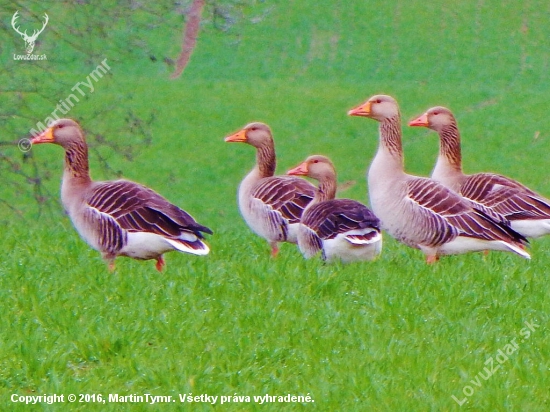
[527, 211]
[119, 218]
[271, 205]
[418, 211]
[341, 228]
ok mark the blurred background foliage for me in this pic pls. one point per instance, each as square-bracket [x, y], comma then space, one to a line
[136, 35]
[272, 60]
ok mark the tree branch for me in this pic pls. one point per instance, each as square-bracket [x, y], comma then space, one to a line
[190, 34]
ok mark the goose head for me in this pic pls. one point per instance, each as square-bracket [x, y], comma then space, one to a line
[437, 118]
[63, 132]
[379, 107]
[255, 134]
[317, 167]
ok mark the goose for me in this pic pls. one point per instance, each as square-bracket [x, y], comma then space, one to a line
[527, 211]
[421, 212]
[120, 217]
[341, 228]
[270, 205]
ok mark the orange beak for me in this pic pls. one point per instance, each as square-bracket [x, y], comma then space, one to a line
[420, 121]
[363, 110]
[45, 137]
[300, 170]
[240, 136]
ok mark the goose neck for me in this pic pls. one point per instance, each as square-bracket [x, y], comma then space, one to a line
[76, 163]
[449, 147]
[265, 160]
[390, 150]
[326, 189]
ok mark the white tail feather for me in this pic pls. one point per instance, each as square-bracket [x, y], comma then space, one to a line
[518, 250]
[361, 239]
[183, 246]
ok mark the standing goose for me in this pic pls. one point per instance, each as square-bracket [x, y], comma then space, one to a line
[341, 228]
[271, 205]
[418, 211]
[527, 211]
[119, 218]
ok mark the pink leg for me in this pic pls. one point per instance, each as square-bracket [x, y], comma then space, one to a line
[160, 263]
[430, 260]
[274, 250]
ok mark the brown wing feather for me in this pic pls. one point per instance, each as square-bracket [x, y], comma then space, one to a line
[505, 196]
[107, 232]
[137, 208]
[480, 185]
[449, 215]
[309, 242]
[288, 196]
[332, 217]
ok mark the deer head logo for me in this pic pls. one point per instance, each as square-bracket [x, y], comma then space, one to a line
[29, 40]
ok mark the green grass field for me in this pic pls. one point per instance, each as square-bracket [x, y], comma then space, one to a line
[391, 335]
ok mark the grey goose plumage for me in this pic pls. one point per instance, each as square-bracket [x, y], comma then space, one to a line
[342, 229]
[119, 218]
[271, 205]
[421, 212]
[527, 211]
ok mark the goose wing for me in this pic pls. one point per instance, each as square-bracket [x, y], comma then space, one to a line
[505, 196]
[279, 201]
[276, 202]
[287, 196]
[445, 215]
[333, 217]
[136, 208]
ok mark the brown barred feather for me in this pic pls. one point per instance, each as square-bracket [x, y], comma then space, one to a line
[451, 216]
[505, 196]
[287, 195]
[332, 217]
[139, 209]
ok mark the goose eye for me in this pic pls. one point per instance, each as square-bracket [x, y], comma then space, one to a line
[378, 101]
[316, 161]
